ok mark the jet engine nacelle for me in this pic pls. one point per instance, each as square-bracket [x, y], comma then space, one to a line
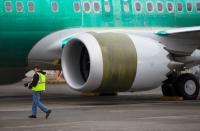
[113, 62]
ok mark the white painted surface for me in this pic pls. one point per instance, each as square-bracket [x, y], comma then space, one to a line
[152, 63]
[73, 78]
[49, 49]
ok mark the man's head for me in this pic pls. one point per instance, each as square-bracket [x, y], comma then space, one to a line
[36, 68]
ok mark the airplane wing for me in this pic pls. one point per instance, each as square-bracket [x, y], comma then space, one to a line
[183, 33]
[180, 41]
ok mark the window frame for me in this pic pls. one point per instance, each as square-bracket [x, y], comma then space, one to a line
[52, 9]
[84, 2]
[152, 9]
[99, 3]
[79, 3]
[159, 2]
[124, 5]
[5, 7]
[187, 6]
[17, 7]
[29, 6]
[106, 10]
[198, 2]
[181, 6]
[135, 7]
[172, 11]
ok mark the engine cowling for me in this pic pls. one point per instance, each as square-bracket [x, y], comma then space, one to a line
[113, 62]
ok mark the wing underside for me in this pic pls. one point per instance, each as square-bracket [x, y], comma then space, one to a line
[182, 43]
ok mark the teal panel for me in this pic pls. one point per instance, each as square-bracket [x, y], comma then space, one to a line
[127, 16]
[156, 18]
[186, 18]
[15, 46]
[20, 31]
[138, 17]
[107, 17]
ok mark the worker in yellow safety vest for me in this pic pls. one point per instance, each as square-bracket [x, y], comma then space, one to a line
[38, 86]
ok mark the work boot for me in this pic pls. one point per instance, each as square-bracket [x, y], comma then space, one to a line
[32, 116]
[48, 113]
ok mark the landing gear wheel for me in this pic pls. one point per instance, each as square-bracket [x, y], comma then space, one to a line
[168, 90]
[187, 86]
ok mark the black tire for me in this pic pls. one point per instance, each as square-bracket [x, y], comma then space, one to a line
[189, 91]
[168, 90]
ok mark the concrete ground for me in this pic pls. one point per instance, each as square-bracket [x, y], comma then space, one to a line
[71, 112]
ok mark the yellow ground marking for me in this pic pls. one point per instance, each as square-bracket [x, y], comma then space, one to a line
[171, 98]
[174, 98]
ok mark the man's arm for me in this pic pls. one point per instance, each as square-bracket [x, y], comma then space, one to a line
[35, 81]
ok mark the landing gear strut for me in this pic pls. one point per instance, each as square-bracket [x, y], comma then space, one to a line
[185, 85]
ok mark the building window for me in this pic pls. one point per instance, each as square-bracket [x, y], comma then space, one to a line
[149, 6]
[126, 6]
[77, 7]
[138, 7]
[198, 6]
[86, 6]
[107, 6]
[170, 7]
[54, 6]
[19, 6]
[8, 6]
[189, 6]
[160, 7]
[97, 7]
[180, 6]
[31, 6]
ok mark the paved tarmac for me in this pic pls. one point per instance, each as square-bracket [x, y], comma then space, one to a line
[71, 112]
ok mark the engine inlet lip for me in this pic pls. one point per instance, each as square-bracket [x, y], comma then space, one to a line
[96, 63]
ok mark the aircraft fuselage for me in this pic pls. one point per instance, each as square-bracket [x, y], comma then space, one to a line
[23, 23]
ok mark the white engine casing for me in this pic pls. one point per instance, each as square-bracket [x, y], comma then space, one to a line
[152, 64]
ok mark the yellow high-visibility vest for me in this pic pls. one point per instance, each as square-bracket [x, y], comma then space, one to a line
[41, 86]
